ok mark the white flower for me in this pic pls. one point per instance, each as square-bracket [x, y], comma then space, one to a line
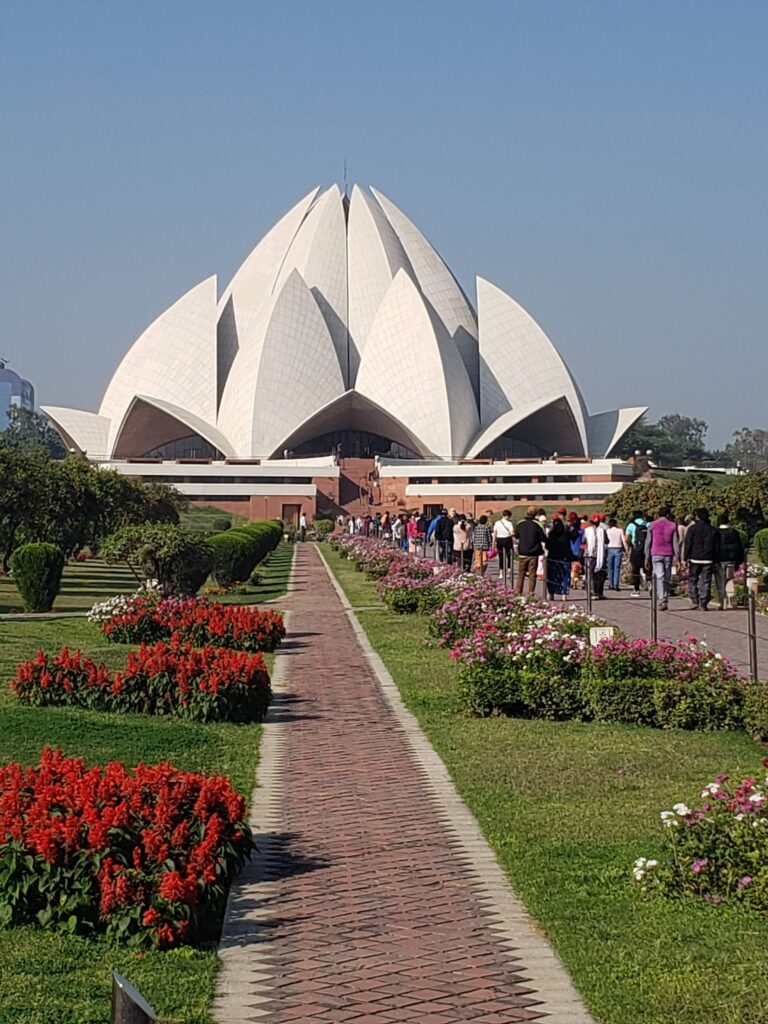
[755, 798]
[651, 863]
[668, 818]
[739, 817]
[640, 862]
[681, 809]
[711, 789]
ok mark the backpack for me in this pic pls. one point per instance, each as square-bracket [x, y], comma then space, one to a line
[638, 539]
[422, 524]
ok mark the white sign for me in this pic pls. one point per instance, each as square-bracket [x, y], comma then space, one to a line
[599, 633]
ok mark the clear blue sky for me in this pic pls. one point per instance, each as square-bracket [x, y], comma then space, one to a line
[605, 162]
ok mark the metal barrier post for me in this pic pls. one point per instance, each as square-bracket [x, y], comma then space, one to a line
[752, 633]
[128, 1004]
[588, 583]
[654, 611]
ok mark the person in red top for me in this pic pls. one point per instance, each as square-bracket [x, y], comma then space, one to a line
[662, 550]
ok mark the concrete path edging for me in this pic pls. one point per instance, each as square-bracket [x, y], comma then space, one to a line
[555, 992]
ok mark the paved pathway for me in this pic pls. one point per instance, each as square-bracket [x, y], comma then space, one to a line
[725, 631]
[375, 899]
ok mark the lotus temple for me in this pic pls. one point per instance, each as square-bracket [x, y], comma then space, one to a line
[343, 367]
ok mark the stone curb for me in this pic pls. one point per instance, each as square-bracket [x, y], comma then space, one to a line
[244, 978]
[508, 918]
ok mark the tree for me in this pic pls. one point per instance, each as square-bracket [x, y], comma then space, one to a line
[644, 436]
[21, 494]
[28, 431]
[179, 560]
[750, 448]
[686, 432]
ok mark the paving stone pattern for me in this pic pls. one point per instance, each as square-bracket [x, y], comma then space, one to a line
[364, 906]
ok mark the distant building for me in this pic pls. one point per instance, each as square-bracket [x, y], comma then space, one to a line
[14, 391]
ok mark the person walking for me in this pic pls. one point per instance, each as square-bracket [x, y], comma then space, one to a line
[503, 538]
[398, 531]
[662, 550]
[444, 538]
[617, 546]
[482, 540]
[595, 537]
[462, 544]
[530, 547]
[302, 527]
[702, 551]
[635, 536]
[730, 558]
[558, 561]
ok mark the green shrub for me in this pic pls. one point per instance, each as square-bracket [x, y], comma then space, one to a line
[761, 546]
[490, 688]
[323, 527]
[231, 557]
[220, 524]
[756, 711]
[37, 570]
[619, 700]
[553, 698]
[697, 704]
[178, 559]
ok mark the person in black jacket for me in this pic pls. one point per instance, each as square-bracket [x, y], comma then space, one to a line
[702, 552]
[444, 537]
[731, 557]
[530, 547]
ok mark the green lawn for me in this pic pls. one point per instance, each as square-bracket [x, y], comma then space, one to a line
[83, 583]
[46, 977]
[567, 808]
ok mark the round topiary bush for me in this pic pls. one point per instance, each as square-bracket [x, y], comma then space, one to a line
[323, 527]
[232, 557]
[37, 570]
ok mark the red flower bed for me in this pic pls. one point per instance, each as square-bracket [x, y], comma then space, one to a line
[143, 855]
[207, 684]
[196, 621]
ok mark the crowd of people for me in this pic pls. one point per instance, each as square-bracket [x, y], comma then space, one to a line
[570, 550]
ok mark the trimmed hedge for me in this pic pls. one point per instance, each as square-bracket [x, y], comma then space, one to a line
[502, 687]
[37, 570]
[240, 549]
[761, 546]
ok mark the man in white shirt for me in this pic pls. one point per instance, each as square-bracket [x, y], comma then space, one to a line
[302, 527]
[503, 534]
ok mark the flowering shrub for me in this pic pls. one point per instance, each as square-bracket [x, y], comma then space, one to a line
[718, 850]
[208, 684]
[143, 619]
[143, 855]
[416, 585]
[620, 657]
[370, 555]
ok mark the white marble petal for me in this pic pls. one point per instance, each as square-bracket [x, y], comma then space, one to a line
[605, 429]
[375, 255]
[174, 360]
[519, 365]
[438, 286]
[298, 370]
[411, 368]
[85, 431]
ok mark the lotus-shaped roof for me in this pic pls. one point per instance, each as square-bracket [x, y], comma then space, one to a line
[342, 318]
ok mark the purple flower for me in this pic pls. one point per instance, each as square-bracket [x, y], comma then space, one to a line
[698, 865]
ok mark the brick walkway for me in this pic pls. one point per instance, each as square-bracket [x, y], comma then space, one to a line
[367, 905]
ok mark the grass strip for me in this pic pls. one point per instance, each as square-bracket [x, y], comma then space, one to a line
[567, 807]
